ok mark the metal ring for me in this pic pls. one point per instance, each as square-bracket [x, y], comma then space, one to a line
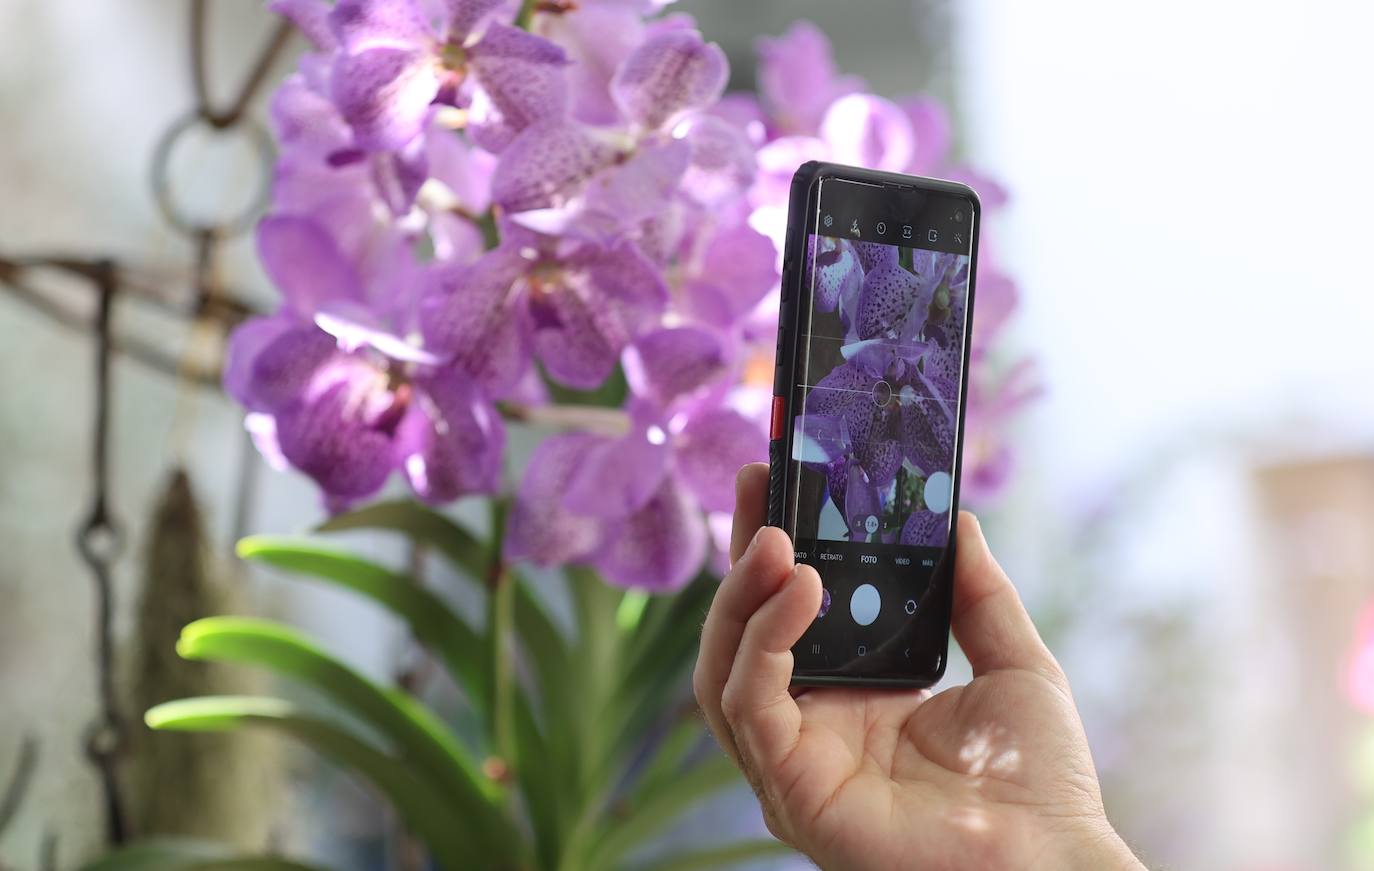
[100, 541]
[162, 187]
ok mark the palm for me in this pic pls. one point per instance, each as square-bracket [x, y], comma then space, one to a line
[878, 772]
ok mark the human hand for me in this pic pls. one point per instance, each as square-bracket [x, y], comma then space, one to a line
[990, 775]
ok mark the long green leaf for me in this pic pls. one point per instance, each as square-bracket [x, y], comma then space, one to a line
[187, 854]
[412, 729]
[668, 757]
[719, 857]
[422, 524]
[656, 812]
[453, 836]
[433, 623]
[547, 762]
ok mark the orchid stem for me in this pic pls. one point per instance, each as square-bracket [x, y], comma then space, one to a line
[583, 418]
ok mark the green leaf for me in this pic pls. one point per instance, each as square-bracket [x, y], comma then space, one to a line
[412, 729]
[659, 658]
[431, 621]
[423, 525]
[659, 810]
[669, 756]
[719, 857]
[453, 836]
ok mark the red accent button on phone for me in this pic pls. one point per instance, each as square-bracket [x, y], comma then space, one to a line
[775, 428]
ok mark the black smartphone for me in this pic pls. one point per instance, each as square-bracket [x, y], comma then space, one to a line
[868, 415]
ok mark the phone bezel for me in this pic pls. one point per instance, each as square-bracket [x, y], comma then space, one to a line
[802, 220]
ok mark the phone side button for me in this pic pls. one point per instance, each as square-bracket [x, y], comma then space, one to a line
[775, 426]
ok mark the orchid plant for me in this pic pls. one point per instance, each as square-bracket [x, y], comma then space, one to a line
[550, 217]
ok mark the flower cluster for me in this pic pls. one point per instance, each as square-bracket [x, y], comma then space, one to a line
[478, 206]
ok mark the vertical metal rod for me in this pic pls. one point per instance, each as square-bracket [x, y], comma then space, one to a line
[99, 542]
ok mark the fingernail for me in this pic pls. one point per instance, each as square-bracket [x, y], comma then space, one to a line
[753, 543]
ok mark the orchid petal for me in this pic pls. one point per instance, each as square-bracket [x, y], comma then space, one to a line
[797, 77]
[618, 477]
[384, 93]
[468, 313]
[926, 529]
[311, 18]
[659, 547]
[869, 131]
[722, 163]
[270, 360]
[545, 165]
[522, 74]
[364, 24]
[630, 192]
[891, 296]
[930, 124]
[450, 441]
[464, 17]
[332, 436]
[671, 73]
[668, 363]
[539, 528]
[305, 263]
[710, 451]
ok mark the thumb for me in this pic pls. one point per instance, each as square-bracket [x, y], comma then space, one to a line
[988, 619]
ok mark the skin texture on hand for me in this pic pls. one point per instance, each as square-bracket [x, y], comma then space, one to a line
[995, 774]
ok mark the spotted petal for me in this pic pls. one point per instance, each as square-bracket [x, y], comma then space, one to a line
[659, 547]
[464, 17]
[363, 24]
[384, 94]
[710, 451]
[338, 435]
[671, 73]
[270, 361]
[926, 529]
[546, 165]
[862, 501]
[540, 528]
[449, 444]
[891, 295]
[670, 362]
[836, 270]
[522, 75]
[468, 315]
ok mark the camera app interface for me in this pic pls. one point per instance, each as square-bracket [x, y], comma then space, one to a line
[877, 410]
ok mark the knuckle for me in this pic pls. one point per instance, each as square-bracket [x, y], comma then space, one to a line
[732, 703]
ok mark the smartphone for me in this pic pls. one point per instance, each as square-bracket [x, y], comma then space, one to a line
[868, 415]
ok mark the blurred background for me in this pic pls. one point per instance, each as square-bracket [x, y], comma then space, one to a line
[1192, 517]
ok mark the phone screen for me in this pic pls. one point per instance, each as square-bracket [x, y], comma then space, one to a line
[875, 406]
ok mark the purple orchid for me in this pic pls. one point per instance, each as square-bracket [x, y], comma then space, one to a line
[573, 306]
[347, 401]
[466, 210]
[633, 506]
[394, 62]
